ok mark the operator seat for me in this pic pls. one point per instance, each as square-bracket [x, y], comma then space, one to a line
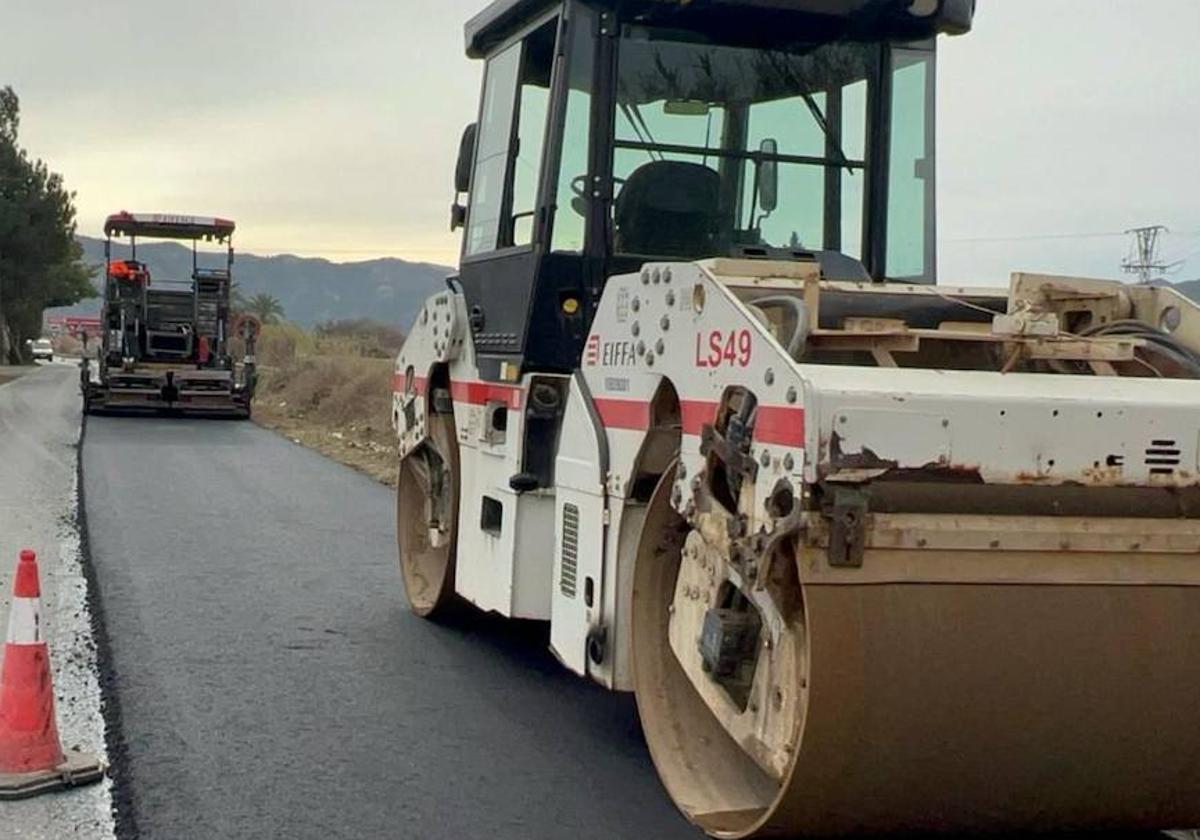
[668, 208]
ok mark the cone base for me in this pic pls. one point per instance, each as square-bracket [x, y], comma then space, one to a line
[75, 771]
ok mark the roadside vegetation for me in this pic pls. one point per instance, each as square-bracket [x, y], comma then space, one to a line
[40, 261]
[331, 389]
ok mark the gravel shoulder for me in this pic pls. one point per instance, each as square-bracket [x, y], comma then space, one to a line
[39, 439]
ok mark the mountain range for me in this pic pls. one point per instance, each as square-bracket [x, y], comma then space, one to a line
[311, 290]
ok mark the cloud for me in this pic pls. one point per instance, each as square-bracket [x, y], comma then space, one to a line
[332, 128]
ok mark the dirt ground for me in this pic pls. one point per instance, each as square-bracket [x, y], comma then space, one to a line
[338, 405]
[8, 373]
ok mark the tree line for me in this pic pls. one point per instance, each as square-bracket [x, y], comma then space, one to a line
[41, 264]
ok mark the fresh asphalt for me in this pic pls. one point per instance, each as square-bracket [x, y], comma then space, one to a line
[272, 683]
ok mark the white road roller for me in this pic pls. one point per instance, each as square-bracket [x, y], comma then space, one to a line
[874, 554]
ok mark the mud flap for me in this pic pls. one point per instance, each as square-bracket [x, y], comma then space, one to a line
[576, 603]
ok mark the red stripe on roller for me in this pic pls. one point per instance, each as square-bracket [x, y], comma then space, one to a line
[623, 414]
[780, 424]
[480, 393]
[398, 381]
[472, 391]
[25, 584]
[696, 414]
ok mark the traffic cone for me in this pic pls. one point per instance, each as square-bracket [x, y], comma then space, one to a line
[31, 756]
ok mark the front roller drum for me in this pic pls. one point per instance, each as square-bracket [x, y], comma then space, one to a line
[884, 706]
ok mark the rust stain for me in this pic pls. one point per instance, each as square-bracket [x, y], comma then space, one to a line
[866, 459]
[943, 469]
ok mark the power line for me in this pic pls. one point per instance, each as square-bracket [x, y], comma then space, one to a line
[1035, 237]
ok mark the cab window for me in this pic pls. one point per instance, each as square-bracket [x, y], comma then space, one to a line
[491, 150]
[719, 146]
[910, 204]
[508, 156]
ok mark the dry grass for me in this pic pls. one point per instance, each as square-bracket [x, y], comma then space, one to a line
[322, 394]
[67, 345]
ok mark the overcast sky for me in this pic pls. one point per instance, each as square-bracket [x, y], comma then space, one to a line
[330, 128]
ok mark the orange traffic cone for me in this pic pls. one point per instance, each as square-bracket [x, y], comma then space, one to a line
[31, 757]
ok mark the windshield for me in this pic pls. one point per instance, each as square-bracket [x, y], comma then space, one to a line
[719, 146]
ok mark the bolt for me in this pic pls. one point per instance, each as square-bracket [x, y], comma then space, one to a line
[789, 462]
[650, 359]
[641, 348]
[656, 276]
[646, 277]
[791, 394]
[765, 458]
[659, 347]
[636, 304]
[670, 297]
[665, 323]
[636, 329]
[769, 377]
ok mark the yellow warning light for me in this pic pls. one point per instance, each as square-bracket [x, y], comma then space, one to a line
[570, 305]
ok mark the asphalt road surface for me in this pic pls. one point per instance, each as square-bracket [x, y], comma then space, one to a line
[272, 682]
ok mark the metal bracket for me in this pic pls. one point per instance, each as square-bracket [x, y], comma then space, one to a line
[848, 528]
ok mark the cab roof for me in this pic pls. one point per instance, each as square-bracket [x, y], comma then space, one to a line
[167, 226]
[895, 18]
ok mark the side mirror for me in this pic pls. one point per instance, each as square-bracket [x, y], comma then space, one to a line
[466, 157]
[462, 175]
[956, 16]
[768, 176]
[946, 17]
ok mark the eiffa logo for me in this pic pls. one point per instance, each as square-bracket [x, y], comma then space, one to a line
[607, 353]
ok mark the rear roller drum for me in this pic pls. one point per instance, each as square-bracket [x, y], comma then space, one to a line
[427, 517]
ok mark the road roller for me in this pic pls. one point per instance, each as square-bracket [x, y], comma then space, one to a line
[874, 553]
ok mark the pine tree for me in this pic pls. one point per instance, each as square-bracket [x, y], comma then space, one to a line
[40, 262]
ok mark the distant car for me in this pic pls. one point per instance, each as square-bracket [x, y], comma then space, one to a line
[42, 349]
